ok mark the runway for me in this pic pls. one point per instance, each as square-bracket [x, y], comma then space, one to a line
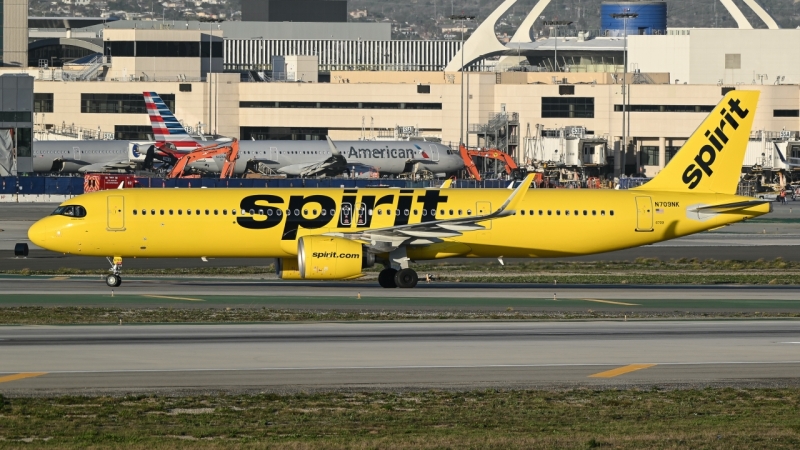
[187, 293]
[291, 357]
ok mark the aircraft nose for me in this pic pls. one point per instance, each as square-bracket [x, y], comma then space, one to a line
[38, 233]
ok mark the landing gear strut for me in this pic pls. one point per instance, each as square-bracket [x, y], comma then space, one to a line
[114, 279]
[397, 273]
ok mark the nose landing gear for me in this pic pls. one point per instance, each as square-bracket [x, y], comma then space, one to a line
[114, 279]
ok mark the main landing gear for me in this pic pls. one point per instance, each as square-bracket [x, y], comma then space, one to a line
[393, 278]
[114, 279]
[398, 274]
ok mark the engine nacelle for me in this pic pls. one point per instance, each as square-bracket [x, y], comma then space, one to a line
[286, 269]
[331, 258]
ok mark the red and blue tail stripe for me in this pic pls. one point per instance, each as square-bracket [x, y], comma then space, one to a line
[166, 127]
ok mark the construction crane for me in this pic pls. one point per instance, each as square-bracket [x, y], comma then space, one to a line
[229, 149]
[492, 153]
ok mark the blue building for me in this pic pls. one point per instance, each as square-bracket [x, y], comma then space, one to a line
[651, 19]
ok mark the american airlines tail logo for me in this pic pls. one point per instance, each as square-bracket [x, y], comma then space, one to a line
[166, 127]
[708, 153]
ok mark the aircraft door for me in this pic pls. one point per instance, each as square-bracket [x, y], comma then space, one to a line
[116, 213]
[434, 153]
[482, 209]
[644, 214]
[273, 154]
[76, 153]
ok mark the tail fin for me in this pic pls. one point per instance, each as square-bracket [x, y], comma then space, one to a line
[711, 160]
[166, 127]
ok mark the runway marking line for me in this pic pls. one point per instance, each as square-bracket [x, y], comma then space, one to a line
[21, 376]
[175, 298]
[609, 302]
[621, 370]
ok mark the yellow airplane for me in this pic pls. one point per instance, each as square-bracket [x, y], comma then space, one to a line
[333, 234]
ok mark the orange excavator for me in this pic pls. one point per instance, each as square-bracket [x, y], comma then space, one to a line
[229, 149]
[492, 153]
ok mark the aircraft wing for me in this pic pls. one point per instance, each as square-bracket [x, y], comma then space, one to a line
[332, 166]
[426, 233]
[110, 165]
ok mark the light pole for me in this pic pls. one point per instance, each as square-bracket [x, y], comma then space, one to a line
[554, 24]
[625, 95]
[463, 19]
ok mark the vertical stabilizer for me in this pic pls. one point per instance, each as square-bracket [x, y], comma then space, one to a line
[711, 160]
[166, 127]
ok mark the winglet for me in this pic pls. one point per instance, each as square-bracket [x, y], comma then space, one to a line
[516, 197]
[334, 151]
[447, 183]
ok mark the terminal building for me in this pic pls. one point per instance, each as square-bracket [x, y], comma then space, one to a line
[221, 79]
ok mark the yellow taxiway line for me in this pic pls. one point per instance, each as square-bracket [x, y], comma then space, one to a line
[20, 376]
[621, 370]
[59, 278]
[176, 298]
[609, 302]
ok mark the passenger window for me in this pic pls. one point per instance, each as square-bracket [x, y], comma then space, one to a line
[576, 212]
[380, 212]
[584, 212]
[396, 212]
[424, 213]
[451, 212]
[297, 213]
[216, 212]
[531, 212]
[305, 212]
[405, 212]
[153, 212]
[611, 212]
[233, 212]
[288, 213]
[469, 212]
[333, 212]
[602, 213]
[388, 212]
[441, 211]
[324, 212]
[206, 212]
[566, 213]
[197, 212]
[135, 212]
[144, 212]
[460, 212]
[522, 212]
[594, 213]
[540, 212]
[549, 212]
[433, 212]
[188, 212]
[224, 212]
[260, 212]
[180, 212]
[279, 212]
[252, 212]
[162, 212]
[314, 212]
[558, 212]
[416, 212]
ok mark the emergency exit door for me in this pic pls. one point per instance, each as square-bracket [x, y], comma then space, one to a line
[482, 209]
[644, 214]
[116, 213]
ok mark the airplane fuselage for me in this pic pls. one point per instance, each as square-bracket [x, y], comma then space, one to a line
[259, 223]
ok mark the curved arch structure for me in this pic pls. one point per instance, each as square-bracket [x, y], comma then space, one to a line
[762, 14]
[523, 33]
[483, 42]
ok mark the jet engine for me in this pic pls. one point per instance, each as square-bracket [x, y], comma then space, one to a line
[286, 269]
[331, 258]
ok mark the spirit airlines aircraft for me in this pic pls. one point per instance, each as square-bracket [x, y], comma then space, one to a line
[309, 158]
[332, 234]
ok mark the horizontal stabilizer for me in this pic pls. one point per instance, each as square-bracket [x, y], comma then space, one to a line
[730, 207]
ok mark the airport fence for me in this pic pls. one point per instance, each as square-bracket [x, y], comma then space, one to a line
[71, 186]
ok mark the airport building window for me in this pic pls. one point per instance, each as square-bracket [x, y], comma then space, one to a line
[786, 113]
[133, 132]
[568, 107]
[15, 116]
[340, 105]
[666, 108]
[649, 155]
[163, 49]
[42, 103]
[120, 103]
[283, 134]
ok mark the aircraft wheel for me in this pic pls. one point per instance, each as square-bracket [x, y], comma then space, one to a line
[406, 278]
[386, 278]
[113, 280]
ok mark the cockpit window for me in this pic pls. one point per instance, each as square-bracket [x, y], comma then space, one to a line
[70, 211]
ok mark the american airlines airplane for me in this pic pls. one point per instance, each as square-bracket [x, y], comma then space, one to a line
[310, 158]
